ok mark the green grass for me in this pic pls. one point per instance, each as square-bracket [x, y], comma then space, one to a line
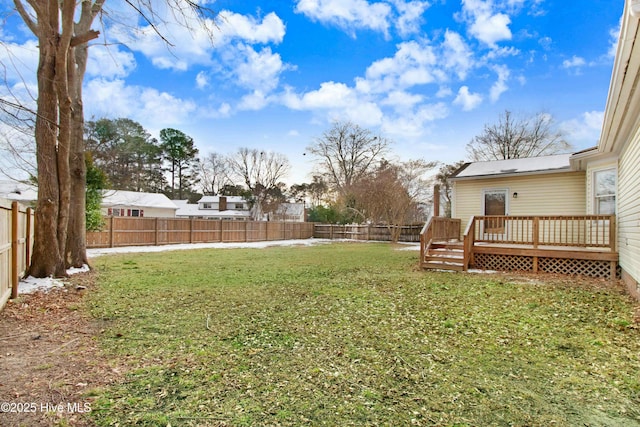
[353, 334]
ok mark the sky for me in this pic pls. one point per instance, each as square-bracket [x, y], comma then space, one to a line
[427, 75]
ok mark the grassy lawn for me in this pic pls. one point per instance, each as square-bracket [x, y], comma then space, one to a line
[352, 334]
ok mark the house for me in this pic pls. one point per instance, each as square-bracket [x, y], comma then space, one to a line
[546, 185]
[569, 213]
[15, 191]
[612, 168]
[217, 208]
[137, 204]
[289, 212]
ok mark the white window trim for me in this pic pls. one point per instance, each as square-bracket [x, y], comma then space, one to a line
[593, 188]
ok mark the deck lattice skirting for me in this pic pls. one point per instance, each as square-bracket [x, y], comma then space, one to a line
[570, 267]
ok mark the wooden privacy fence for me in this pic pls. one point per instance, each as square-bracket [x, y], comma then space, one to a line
[16, 240]
[408, 233]
[131, 231]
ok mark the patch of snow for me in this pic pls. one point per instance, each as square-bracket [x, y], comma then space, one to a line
[409, 246]
[30, 284]
[92, 253]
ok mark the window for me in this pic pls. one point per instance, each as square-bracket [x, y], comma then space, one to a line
[117, 212]
[206, 206]
[604, 192]
[135, 212]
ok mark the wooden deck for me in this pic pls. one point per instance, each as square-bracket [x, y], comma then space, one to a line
[575, 245]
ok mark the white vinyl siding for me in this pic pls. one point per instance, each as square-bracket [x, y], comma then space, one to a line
[629, 208]
[543, 194]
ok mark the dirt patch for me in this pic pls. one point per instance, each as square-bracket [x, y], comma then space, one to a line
[50, 362]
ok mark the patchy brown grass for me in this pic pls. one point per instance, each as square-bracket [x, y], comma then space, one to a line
[50, 357]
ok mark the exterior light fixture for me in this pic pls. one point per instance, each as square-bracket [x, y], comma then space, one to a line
[515, 195]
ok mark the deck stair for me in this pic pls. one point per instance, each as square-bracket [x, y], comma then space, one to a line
[444, 256]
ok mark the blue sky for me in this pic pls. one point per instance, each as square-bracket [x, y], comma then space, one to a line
[426, 74]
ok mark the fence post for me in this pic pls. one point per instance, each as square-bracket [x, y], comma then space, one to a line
[191, 230]
[156, 227]
[536, 231]
[27, 252]
[15, 212]
[111, 232]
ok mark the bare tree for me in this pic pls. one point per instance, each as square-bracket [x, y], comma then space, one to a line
[346, 153]
[261, 172]
[58, 123]
[381, 198]
[442, 178]
[514, 138]
[214, 174]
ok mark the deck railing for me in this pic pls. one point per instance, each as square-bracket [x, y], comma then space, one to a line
[587, 231]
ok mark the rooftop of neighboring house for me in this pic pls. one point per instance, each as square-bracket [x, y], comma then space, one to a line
[186, 209]
[18, 191]
[216, 199]
[509, 167]
[112, 198]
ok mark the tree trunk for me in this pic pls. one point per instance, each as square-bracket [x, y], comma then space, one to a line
[76, 255]
[46, 260]
[64, 75]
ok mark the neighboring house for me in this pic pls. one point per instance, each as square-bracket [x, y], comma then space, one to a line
[136, 204]
[114, 202]
[289, 212]
[26, 194]
[216, 207]
[530, 186]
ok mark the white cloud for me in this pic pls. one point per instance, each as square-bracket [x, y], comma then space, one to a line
[574, 62]
[20, 61]
[413, 64]
[402, 101]
[410, 16]
[444, 92]
[413, 125]
[585, 130]
[614, 35]
[347, 14]
[500, 86]
[109, 62]
[485, 24]
[257, 70]
[157, 110]
[194, 41]
[467, 100]
[249, 29]
[254, 101]
[202, 80]
[330, 95]
[457, 54]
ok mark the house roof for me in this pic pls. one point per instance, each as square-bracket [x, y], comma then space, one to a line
[290, 209]
[191, 210]
[524, 166]
[18, 191]
[133, 198]
[216, 199]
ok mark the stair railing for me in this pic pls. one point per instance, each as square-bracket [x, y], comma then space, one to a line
[468, 243]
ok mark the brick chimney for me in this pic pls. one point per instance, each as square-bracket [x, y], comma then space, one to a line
[222, 205]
